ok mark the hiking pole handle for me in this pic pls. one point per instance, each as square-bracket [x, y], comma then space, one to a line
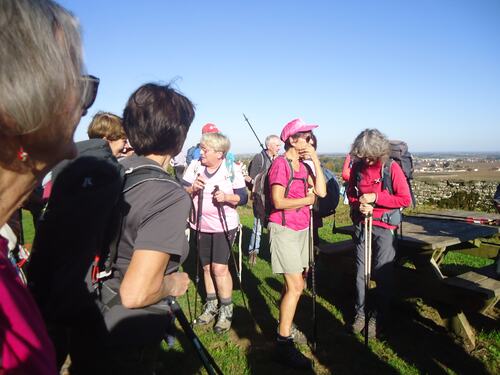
[256, 136]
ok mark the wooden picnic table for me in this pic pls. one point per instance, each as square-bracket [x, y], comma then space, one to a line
[424, 240]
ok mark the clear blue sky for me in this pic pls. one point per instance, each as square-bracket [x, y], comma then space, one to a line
[425, 71]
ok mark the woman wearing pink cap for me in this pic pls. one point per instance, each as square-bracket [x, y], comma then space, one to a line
[293, 190]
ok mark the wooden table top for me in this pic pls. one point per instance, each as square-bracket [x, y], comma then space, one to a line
[432, 233]
[429, 232]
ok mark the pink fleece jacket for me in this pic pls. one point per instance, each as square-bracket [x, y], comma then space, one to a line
[24, 343]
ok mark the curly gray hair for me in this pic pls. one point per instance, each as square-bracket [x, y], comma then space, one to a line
[371, 143]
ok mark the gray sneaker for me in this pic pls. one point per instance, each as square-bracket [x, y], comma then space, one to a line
[296, 334]
[209, 312]
[224, 320]
[359, 324]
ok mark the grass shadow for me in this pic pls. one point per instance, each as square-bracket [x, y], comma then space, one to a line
[418, 339]
[337, 351]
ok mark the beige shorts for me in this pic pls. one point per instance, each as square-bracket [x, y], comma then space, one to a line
[289, 249]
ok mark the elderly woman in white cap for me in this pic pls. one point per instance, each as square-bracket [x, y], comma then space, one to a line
[293, 190]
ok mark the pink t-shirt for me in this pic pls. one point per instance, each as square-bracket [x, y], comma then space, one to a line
[24, 343]
[210, 221]
[279, 173]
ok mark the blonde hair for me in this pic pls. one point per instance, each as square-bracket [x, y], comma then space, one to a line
[106, 125]
[40, 65]
[217, 141]
[371, 143]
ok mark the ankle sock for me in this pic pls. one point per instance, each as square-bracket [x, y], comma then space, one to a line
[211, 297]
[283, 339]
[226, 301]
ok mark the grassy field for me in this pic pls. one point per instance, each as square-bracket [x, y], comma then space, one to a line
[417, 342]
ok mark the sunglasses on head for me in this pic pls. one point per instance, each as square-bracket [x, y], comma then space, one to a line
[89, 91]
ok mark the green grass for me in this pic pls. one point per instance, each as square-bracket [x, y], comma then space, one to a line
[416, 344]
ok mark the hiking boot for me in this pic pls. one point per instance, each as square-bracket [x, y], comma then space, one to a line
[288, 355]
[209, 312]
[224, 320]
[372, 328]
[297, 335]
[359, 324]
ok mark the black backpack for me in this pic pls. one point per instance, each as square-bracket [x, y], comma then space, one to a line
[79, 232]
[327, 205]
[401, 155]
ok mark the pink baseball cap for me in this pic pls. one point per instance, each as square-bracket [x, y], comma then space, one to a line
[209, 128]
[294, 127]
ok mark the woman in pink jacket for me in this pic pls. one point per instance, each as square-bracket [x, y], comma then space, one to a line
[369, 195]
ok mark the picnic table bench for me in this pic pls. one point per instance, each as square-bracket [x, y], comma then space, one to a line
[424, 240]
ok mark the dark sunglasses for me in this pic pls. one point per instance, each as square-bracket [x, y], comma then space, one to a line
[307, 136]
[90, 85]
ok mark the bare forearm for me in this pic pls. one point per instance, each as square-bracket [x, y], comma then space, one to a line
[319, 180]
[232, 199]
[145, 282]
[291, 203]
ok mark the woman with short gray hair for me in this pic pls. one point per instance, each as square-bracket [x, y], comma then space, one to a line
[369, 197]
[217, 187]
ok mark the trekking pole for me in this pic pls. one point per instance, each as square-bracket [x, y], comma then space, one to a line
[466, 219]
[225, 228]
[252, 258]
[368, 261]
[312, 268]
[206, 359]
[198, 239]
[240, 255]
[256, 136]
[21, 227]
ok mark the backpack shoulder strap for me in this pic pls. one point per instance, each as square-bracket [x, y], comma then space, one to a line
[289, 183]
[356, 172]
[134, 177]
[287, 188]
[386, 176]
[142, 173]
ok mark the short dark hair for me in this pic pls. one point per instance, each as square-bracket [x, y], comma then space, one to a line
[157, 119]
